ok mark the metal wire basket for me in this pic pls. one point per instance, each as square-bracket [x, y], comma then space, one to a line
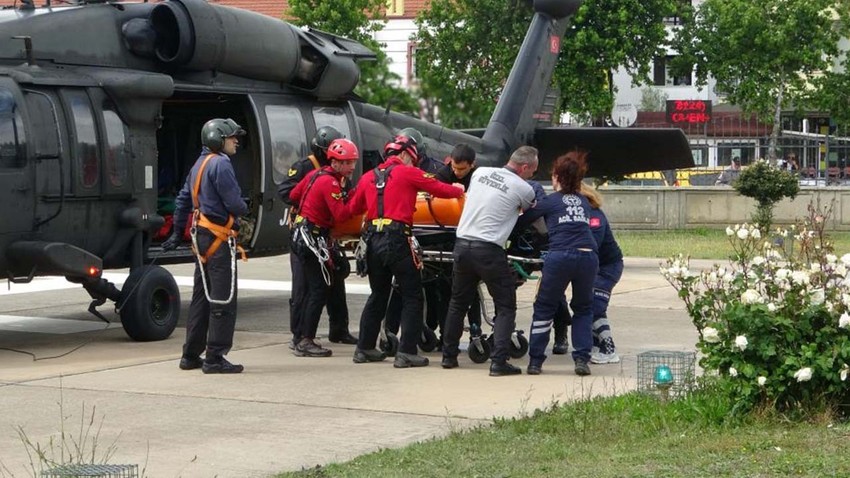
[87, 471]
[665, 373]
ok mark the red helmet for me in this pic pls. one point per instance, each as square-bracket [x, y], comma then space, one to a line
[400, 145]
[343, 150]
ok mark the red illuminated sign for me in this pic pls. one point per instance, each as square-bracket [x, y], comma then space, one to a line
[688, 111]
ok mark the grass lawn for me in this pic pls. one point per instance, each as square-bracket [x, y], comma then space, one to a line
[632, 435]
[699, 243]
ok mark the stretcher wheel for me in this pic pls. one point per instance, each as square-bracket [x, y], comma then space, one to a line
[479, 350]
[428, 340]
[519, 345]
[389, 345]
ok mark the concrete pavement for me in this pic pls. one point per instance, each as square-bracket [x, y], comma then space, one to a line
[285, 413]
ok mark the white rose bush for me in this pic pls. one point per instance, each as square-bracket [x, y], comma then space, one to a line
[774, 325]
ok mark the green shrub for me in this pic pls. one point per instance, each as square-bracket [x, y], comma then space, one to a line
[767, 185]
[774, 327]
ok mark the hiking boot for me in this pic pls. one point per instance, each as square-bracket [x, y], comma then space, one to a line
[534, 369]
[190, 363]
[449, 362]
[309, 348]
[602, 358]
[366, 356]
[560, 348]
[582, 368]
[221, 366]
[500, 369]
[403, 360]
[345, 338]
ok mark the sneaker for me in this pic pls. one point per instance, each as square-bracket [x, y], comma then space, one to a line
[403, 360]
[221, 366]
[345, 338]
[534, 369]
[560, 348]
[190, 363]
[449, 362]
[366, 356]
[602, 358]
[293, 343]
[582, 368]
[309, 348]
[500, 369]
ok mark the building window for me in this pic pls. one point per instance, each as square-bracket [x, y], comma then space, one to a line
[412, 78]
[662, 76]
[395, 8]
[676, 19]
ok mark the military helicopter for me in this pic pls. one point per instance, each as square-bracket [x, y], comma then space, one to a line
[101, 105]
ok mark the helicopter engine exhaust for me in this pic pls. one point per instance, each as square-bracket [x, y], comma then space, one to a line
[194, 35]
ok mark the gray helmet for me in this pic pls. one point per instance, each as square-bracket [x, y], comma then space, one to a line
[415, 135]
[215, 130]
[323, 139]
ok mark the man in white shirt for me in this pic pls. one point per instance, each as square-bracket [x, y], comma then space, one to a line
[495, 198]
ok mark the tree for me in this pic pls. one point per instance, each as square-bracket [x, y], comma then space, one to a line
[652, 99]
[465, 50]
[358, 20]
[764, 55]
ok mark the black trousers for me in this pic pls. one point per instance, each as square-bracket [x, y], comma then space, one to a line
[389, 255]
[476, 261]
[336, 302]
[211, 326]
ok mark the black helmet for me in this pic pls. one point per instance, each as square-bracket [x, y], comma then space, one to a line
[416, 136]
[215, 130]
[324, 137]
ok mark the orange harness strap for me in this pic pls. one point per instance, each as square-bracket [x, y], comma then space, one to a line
[222, 233]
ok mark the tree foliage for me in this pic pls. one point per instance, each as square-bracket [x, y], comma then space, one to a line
[357, 20]
[466, 49]
[764, 55]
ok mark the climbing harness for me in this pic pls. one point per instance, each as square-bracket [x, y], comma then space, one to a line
[222, 234]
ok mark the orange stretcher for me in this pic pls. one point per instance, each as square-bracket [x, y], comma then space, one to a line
[430, 211]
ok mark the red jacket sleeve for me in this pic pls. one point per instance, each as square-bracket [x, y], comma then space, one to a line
[331, 192]
[357, 197]
[428, 183]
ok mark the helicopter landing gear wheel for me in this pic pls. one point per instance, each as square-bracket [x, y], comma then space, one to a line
[150, 304]
[389, 345]
[428, 340]
[519, 345]
[479, 349]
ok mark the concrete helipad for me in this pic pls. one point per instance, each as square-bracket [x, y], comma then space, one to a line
[283, 413]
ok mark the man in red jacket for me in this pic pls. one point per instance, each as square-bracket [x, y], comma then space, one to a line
[319, 196]
[388, 196]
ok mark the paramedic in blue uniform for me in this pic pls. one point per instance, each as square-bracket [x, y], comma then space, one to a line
[610, 271]
[210, 326]
[387, 195]
[337, 306]
[571, 259]
[320, 199]
[495, 198]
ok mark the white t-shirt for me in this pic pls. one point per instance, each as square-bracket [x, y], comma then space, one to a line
[493, 203]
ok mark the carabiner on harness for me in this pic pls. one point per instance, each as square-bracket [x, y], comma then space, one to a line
[319, 247]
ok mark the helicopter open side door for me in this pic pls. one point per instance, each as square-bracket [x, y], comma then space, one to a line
[16, 169]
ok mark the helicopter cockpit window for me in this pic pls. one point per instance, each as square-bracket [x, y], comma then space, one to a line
[332, 116]
[12, 139]
[289, 141]
[116, 155]
[85, 149]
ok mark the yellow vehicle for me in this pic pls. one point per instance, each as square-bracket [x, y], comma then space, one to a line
[677, 178]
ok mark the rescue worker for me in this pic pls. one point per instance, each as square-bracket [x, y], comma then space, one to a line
[572, 259]
[321, 205]
[388, 196]
[426, 163]
[211, 190]
[460, 165]
[494, 200]
[609, 274]
[337, 306]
